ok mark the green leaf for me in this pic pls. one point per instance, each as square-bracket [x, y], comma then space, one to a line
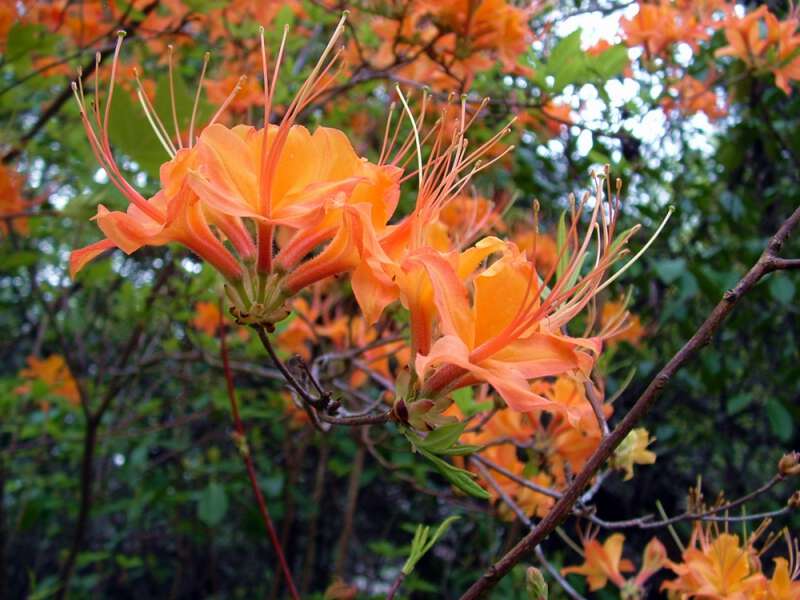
[465, 400]
[567, 62]
[780, 420]
[781, 289]
[458, 477]
[561, 244]
[441, 438]
[422, 542]
[460, 450]
[739, 402]
[611, 62]
[212, 504]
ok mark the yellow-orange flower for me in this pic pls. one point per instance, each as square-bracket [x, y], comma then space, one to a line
[622, 325]
[717, 568]
[603, 562]
[55, 374]
[12, 202]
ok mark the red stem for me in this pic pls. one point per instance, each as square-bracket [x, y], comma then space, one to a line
[248, 462]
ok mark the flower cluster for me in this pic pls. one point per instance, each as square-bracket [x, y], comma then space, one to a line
[714, 564]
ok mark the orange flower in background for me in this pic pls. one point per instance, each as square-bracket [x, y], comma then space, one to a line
[658, 26]
[540, 248]
[764, 43]
[55, 374]
[603, 562]
[12, 202]
[623, 325]
[690, 96]
[549, 120]
[322, 323]
[249, 94]
[208, 319]
[9, 14]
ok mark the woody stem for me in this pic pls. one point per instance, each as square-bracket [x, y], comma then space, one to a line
[247, 458]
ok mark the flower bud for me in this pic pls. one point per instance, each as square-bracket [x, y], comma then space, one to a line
[400, 410]
[535, 584]
[789, 464]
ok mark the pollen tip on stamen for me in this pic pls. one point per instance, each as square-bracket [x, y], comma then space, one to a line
[121, 33]
[98, 57]
[261, 30]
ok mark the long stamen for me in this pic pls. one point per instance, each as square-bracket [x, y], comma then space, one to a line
[152, 116]
[206, 58]
[638, 255]
[164, 141]
[170, 49]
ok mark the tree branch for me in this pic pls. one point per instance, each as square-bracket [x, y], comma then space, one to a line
[765, 264]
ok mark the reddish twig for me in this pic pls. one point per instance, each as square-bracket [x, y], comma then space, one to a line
[244, 450]
[767, 263]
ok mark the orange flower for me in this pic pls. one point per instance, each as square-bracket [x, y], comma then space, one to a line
[9, 14]
[784, 585]
[278, 176]
[12, 202]
[659, 25]
[691, 97]
[621, 325]
[498, 325]
[603, 562]
[764, 43]
[249, 94]
[716, 567]
[540, 248]
[172, 215]
[55, 374]
[549, 120]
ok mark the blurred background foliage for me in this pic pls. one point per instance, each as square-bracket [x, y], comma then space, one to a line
[172, 514]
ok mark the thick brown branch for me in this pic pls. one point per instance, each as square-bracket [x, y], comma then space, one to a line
[702, 336]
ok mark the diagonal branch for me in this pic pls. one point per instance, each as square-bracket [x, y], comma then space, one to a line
[767, 263]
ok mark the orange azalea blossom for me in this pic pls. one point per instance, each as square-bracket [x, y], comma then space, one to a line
[208, 319]
[764, 43]
[785, 582]
[12, 202]
[540, 248]
[572, 434]
[277, 176]
[549, 120]
[463, 219]
[691, 96]
[446, 42]
[503, 325]
[322, 323]
[54, 372]
[9, 14]
[621, 325]
[525, 443]
[604, 563]
[659, 25]
[715, 566]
